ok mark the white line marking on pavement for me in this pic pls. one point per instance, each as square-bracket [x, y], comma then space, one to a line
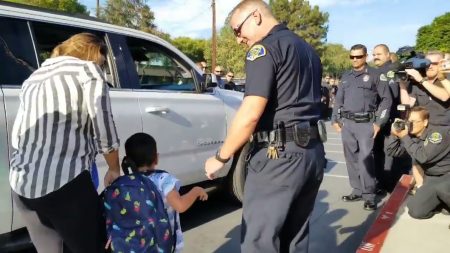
[332, 138]
[336, 144]
[334, 151]
[333, 175]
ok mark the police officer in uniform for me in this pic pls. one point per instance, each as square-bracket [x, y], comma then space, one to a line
[364, 103]
[429, 146]
[388, 169]
[428, 91]
[280, 113]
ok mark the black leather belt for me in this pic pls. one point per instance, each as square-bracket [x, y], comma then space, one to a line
[359, 116]
[271, 136]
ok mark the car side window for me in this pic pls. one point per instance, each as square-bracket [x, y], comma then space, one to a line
[48, 36]
[157, 68]
[17, 55]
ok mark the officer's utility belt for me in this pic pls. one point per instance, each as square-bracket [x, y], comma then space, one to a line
[300, 133]
[359, 117]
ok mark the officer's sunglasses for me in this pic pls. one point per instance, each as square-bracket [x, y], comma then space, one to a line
[237, 29]
[356, 57]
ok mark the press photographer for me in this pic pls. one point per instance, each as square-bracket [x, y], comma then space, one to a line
[427, 90]
[429, 146]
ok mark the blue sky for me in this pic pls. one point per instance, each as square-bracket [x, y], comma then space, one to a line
[369, 22]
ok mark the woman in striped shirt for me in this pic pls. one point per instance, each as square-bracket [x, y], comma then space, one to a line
[64, 119]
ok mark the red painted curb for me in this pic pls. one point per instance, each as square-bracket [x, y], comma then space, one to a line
[374, 238]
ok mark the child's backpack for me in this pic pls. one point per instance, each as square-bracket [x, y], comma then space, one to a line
[136, 219]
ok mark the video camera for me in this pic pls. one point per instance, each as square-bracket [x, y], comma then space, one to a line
[400, 123]
[409, 59]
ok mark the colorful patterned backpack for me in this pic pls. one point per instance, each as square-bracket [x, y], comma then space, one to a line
[136, 220]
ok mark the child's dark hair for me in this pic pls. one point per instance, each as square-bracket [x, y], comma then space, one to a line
[140, 150]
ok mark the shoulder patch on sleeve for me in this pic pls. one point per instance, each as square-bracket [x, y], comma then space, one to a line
[390, 74]
[435, 138]
[383, 77]
[256, 52]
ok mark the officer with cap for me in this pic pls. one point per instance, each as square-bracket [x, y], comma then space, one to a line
[388, 169]
[364, 103]
[280, 113]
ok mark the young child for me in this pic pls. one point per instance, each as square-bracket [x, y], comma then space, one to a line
[141, 156]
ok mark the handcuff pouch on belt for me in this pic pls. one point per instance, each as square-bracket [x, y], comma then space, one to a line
[302, 133]
[362, 117]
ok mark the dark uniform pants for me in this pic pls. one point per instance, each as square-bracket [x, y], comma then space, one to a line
[434, 192]
[279, 198]
[358, 146]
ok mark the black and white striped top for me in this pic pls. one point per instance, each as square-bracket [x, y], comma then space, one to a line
[64, 118]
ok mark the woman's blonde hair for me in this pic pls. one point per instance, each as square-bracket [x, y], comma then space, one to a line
[84, 46]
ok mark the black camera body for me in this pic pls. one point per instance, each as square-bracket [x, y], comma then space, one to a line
[400, 123]
[409, 59]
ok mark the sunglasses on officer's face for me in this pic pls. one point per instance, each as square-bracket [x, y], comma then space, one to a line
[237, 29]
[356, 57]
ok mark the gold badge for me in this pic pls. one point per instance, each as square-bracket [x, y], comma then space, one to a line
[256, 52]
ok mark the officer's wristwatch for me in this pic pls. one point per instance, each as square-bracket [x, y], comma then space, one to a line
[423, 80]
[220, 159]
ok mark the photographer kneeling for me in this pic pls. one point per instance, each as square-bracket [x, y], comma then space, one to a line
[429, 146]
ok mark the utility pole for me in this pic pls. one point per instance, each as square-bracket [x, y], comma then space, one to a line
[98, 8]
[214, 39]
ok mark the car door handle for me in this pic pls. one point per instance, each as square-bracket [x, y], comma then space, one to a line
[157, 109]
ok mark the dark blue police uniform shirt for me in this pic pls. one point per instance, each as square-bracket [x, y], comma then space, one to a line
[387, 75]
[362, 91]
[287, 71]
[439, 110]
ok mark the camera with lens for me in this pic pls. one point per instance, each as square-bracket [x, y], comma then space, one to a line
[400, 123]
[409, 59]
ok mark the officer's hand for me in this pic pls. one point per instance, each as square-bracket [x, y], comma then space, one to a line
[211, 167]
[376, 129]
[414, 74]
[337, 127]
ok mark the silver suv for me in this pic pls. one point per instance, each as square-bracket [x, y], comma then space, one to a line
[154, 89]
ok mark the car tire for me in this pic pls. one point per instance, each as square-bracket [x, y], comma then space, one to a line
[238, 173]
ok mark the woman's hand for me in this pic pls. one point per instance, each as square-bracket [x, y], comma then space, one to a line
[110, 176]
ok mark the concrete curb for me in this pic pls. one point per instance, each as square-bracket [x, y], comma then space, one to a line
[377, 233]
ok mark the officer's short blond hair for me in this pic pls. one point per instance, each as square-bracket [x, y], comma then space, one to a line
[251, 5]
[436, 52]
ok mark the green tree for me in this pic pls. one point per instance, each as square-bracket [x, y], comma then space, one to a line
[135, 14]
[193, 48]
[230, 54]
[436, 35]
[306, 21]
[70, 6]
[335, 59]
